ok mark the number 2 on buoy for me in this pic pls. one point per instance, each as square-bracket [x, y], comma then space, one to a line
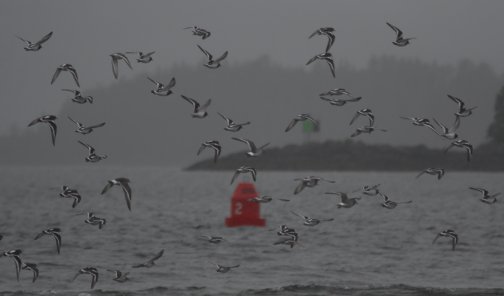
[238, 208]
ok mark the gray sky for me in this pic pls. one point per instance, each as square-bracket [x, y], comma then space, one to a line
[86, 32]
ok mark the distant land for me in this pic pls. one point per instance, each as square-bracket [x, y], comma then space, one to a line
[352, 155]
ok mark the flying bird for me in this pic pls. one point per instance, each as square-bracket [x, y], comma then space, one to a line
[243, 170]
[213, 64]
[232, 126]
[215, 145]
[433, 171]
[301, 117]
[346, 202]
[327, 57]
[340, 102]
[486, 197]
[400, 40]
[150, 262]
[366, 130]
[328, 32]
[462, 144]
[162, 89]
[66, 68]
[142, 58]
[448, 133]
[78, 97]
[388, 204]
[84, 130]
[199, 111]
[462, 111]
[49, 119]
[92, 271]
[30, 46]
[68, 192]
[119, 276]
[308, 221]
[449, 234]
[212, 239]
[54, 232]
[261, 199]
[124, 184]
[224, 269]
[34, 268]
[197, 31]
[92, 156]
[93, 220]
[16, 256]
[254, 151]
[369, 190]
[116, 57]
[366, 113]
[310, 182]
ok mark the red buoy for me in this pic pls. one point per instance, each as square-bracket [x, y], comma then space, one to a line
[244, 212]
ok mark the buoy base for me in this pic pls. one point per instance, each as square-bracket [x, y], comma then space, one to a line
[237, 221]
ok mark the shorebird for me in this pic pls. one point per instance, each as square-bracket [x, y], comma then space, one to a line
[212, 239]
[309, 181]
[253, 150]
[81, 129]
[213, 64]
[261, 199]
[124, 184]
[366, 113]
[336, 92]
[242, 170]
[370, 190]
[66, 68]
[287, 231]
[119, 276]
[340, 102]
[71, 193]
[485, 195]
[308, 221]
[150, 262]
[54, 232]
[116, 57]
[16, 256]
[448, 133]
[450, 234]
[78, 98]
[162, 89]
[290, 241]
[432, 171]
[346, 202]
[92, 156]
[92, 271]
[93, 220]
[301, 117]
[388, 204]
[366, 130]
[232, 126]
[213, 144]
[143, 58]
[30, 46]
[33, 267]
[197, 31]
[462, 144]
[224, 269]
[400, 40]
[418, 121]
[463, 111]
[328, 32]
[49, 119]
[199, 111]
[326, 56]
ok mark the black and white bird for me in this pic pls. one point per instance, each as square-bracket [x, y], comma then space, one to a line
[54, 232]
[366, 130]
[224, 269]
[366, 112]
[340, 102]
[327, 57]
[150, 262]
[199, 111]
[449, 234]
[161, 88]
[261, 199]
[49, 119]
[197, 31]
[34, 269]
[464, 145]
[92, 271]
[299, 118]
[116, 57]
[400, 40]
[213, 64]
[119, 276]
[93, 220]
[346, 202]
[15, 255]
[388, 204]
[68, 192]
[66, 68]
[433, 171]
[35, 46]
[213, 144]
[124, 184]
[143, 58]
[336, 92]
[486, 197]
[369, 190]
[448, 133]
[308, 221]
[92, 156]
[462, 111]
[212, 239]
[84, 130]
[419, 121]
[78, 97]
[232, 126]
[290, 241]
[243, 170]
[310, 182]
[254, 151]
[328, 32]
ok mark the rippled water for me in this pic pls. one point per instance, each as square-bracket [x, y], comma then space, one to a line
[366, 250]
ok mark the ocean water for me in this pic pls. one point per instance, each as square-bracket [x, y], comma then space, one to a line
[366, 250]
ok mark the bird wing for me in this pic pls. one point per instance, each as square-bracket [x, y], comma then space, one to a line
[330, 41]
[299, 188]
[57, 237]
[55, 75]
[354, 99]
[54, 130]
[127, 193]
[114, 67]
[250, 144]
[158, 255]
[253, 172]
[89, 147]
[149, 54]
[482, 190]
[201, 148]
[312, 60]
[222, 57]
[107, 187]
[153, 81]
[171, 83]
[126, 60]
[234, 176]
[205, 105]
[317, 32]
[45, 38]
[18, 262]
[74, 75]
[97, 125]
[398, 32]
[24, 40]
[77, 123]
[228, 121]
[208, 55]
[291, 124]
[330, 62]
[94, 279]
[354, 118]
[195, 104]
[457, 100]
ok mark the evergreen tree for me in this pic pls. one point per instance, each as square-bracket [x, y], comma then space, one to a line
[496, 129]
